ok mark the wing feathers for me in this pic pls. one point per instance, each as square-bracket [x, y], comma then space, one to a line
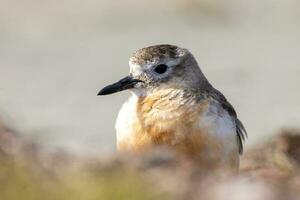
[240, 129]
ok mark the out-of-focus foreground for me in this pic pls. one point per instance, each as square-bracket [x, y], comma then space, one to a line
[268, 172]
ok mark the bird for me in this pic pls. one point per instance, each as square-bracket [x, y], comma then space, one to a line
[173, 104]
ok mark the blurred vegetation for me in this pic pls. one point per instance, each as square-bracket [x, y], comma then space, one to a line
[270, 170]
[20, 181]
[28, 172]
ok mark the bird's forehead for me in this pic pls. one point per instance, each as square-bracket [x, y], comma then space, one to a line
[152, 54]
[139, 68]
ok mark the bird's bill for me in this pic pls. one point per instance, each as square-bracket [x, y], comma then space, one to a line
[125, 83]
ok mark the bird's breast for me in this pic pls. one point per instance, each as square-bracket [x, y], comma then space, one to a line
[160, 120]
[191, 128]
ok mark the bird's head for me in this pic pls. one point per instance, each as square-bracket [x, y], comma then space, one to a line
[159, 67]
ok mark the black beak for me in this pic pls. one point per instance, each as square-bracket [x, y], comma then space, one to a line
[125, 83]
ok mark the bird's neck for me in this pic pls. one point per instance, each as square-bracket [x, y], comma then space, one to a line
[167, 104]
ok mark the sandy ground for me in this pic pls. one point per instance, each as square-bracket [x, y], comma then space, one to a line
[56, 55]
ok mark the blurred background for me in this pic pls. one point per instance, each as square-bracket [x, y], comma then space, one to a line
[56, 55]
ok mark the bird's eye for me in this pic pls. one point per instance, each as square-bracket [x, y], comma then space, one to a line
[160, 69]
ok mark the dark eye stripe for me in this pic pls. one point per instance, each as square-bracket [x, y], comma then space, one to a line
[160, 69]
